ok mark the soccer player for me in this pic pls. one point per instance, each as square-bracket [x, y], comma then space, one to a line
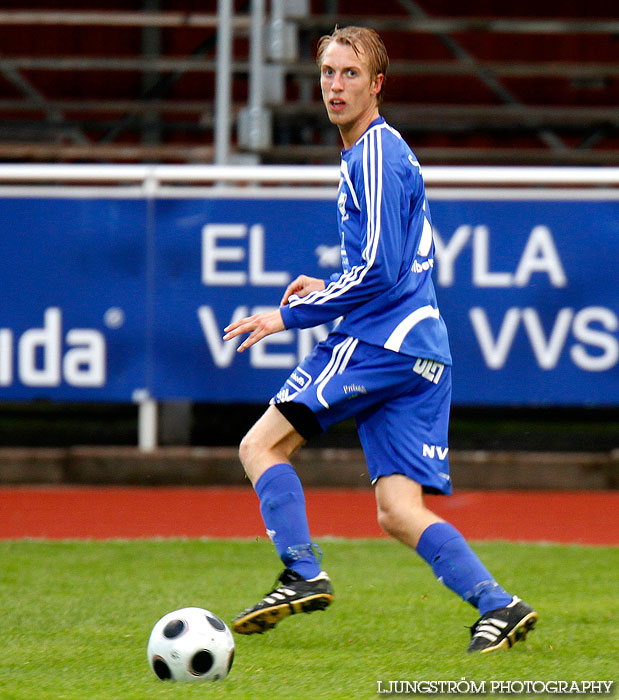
[386, 363]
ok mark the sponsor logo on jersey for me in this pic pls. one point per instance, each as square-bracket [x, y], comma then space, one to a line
[341, 205]
[424, 266]
[434, 451]
[352, 390]
[295, 384]
[429, 369]
[299, 378]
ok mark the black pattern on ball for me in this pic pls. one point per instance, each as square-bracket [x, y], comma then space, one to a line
[201, 662]
[161, 669]
[217, 623]
[174, 629]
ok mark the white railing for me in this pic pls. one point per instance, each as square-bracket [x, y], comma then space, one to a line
[292, 174]
[294, 181]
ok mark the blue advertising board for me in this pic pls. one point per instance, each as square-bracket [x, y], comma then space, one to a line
[530, 295]
[103, 297]
[72, 321]
[220, 260]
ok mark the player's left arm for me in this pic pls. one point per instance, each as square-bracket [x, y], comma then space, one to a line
[381, 188]
[301, 287]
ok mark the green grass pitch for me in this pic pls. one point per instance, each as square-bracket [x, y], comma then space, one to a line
[75, 618]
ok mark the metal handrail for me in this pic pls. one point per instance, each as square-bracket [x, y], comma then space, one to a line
[292, 174]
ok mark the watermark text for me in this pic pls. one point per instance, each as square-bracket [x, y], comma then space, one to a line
[465, 686]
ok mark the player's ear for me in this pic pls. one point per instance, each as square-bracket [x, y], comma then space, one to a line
[377, 84]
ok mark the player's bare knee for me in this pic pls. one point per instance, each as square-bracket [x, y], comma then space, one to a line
[389, 519]
[257, 453]
[404, 521]
[249, 450]
[243, 449]
[384, 521]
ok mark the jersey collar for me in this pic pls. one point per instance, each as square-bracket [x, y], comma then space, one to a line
[378, 120]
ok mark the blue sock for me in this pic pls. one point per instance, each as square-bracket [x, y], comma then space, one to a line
[456, 565]
[282, 504]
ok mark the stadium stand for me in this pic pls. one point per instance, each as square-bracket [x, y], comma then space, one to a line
[535, 83]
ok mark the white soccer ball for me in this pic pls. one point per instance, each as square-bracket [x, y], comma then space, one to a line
[190, 644]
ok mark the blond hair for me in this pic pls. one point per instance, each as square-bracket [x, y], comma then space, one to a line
[362, 40]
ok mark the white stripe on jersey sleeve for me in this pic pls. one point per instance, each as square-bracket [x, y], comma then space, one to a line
[372, 163]
[379, 192]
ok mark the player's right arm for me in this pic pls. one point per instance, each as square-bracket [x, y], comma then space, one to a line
[260, 325]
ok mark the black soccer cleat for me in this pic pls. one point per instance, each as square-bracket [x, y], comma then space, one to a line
[502, 628]
[295, 595]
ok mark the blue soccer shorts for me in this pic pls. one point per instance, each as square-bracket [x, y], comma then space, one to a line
[400, 404]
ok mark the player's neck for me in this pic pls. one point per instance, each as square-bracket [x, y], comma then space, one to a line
[351, 133]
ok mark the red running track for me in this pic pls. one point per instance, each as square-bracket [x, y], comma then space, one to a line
[589, 517]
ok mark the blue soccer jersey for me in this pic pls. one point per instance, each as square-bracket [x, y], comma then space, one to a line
[385, 292]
